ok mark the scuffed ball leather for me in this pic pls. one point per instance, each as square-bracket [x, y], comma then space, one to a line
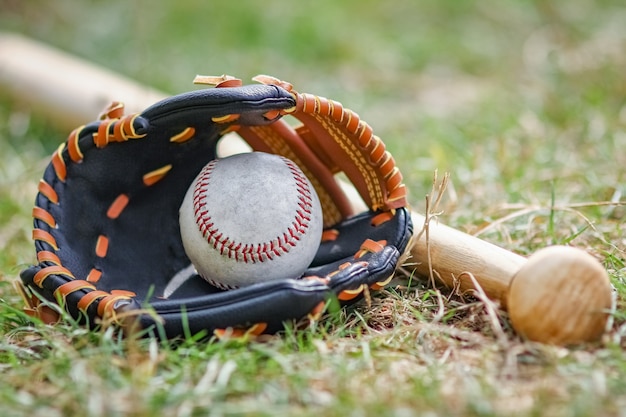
[250, 217]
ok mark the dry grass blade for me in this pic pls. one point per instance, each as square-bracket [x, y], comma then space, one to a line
[437, 189]
[491, 309]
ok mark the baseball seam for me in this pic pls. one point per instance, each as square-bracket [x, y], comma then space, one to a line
[255, 252]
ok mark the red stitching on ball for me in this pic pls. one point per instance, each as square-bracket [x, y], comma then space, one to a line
[262, 251]
[220, 285]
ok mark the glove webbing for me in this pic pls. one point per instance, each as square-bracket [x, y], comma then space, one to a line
[331, 139]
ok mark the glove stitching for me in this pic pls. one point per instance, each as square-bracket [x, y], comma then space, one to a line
[156, 175]
[183, 136]
[357, 158]
[344, 120]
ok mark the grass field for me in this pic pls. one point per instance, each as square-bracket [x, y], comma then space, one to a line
[523, 103]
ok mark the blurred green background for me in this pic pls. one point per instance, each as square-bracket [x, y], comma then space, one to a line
[482, 89]
[523, 102]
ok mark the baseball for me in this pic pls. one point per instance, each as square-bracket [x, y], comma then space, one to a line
[250, 218]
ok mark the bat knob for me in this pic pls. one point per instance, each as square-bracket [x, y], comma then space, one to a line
[561, 296]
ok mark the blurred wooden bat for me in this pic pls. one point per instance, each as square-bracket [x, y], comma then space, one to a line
[67, 90]
[70, 91]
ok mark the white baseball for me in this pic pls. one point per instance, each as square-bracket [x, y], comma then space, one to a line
[249, 218]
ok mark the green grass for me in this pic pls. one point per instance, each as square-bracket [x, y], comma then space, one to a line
[524, 103]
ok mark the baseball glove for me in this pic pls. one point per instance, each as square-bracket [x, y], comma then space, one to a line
[106, 228]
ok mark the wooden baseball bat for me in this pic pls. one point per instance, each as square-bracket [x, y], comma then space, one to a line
[559, 295]
[68, 90]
